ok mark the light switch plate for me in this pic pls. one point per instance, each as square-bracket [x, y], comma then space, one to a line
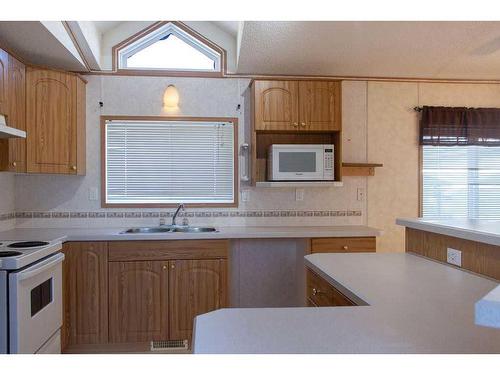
[93, 194]
[299, 194]
[245, 195]
[454, 256]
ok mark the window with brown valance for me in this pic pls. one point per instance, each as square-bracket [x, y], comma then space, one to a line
[460, 126]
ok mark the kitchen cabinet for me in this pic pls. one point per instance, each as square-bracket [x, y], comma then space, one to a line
[195, 287]
[55, 118]
[127, 292]
[4, 68]
[343, 245]
[138, 301]
[85, 293]
[296, 105]
[13, 150]
[320, 293]
[276, 105]
[319, 105]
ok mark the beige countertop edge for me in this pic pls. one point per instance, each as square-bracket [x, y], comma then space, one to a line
[484, 231]
[114, 234]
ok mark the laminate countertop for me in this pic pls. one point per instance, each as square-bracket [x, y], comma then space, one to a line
[411, 305]
[485, 231]
[115, 234]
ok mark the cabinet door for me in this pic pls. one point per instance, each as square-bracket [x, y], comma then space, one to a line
[319, 105]
[85, 275]
[196, 287]
[4, 67]
[138, 301]
[17, 114]
[51, 121]
[275, 105]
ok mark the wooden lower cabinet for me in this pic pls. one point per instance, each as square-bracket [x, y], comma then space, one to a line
[320, 293]
[121, 293]
[138, 301]
[343, 245]
[196, 287]
[85, 293]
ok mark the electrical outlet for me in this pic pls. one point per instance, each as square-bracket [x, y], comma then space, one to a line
[245, 195]
[93, 194]
[361, 194]
[299, 194]
[454, 256]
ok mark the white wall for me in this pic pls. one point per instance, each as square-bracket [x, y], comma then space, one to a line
[198, 97]
[7, 200]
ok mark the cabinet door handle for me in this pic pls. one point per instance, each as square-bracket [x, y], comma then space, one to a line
[14, 164]
[303, 124]
[295, 124]
[316, 291]
[164, 267]
[73, 167]
[172, 266]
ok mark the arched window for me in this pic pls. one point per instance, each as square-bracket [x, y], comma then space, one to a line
[171, 47]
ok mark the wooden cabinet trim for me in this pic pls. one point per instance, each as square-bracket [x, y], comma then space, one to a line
[343, 244]
[167, 250]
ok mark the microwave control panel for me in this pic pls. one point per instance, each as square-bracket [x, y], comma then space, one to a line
[328, 163]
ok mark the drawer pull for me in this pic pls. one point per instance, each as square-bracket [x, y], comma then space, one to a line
[345, 247]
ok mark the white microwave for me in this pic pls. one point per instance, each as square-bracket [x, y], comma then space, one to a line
[300, 163]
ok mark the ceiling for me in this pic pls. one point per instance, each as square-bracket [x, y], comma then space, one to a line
[446, 50]
[462, 50]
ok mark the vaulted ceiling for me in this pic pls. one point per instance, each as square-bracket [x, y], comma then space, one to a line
[452, 50]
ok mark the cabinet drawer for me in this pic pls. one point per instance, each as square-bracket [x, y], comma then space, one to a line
[120, 251]
[343, 245]
[321, 293]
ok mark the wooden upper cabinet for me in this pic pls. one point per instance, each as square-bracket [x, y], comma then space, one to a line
[4, 68]
[13, 150]
[85, 296]
[297, 105]
[276, 105]
[138, 301]
[196, 287]
[55, 107]
[319, 105]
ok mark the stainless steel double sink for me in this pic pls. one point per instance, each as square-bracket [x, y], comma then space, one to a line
[169, 229]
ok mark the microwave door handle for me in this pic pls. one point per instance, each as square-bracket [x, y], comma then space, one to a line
[39, 267]
[245, 159]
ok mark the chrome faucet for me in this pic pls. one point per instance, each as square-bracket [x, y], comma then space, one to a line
[179, 207]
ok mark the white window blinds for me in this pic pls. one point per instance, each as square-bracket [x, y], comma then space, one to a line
[162, 162]
[461, 182]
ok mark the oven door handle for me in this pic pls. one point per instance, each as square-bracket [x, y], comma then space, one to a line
[40, 267]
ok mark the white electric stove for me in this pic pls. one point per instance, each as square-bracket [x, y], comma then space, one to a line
[30, 296]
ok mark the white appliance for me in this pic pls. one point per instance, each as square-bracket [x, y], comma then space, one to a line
[30, 297]
[300, 163]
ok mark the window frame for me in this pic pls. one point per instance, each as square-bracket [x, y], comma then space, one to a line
[201, 41]
[233, 120]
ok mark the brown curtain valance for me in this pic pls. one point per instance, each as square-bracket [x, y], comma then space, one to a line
[459, 126]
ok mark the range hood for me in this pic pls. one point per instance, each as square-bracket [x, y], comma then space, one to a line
[8, 132]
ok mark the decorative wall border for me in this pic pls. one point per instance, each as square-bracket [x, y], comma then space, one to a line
[153, 214]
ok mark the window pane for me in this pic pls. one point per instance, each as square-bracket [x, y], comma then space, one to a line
[169, 162]
[170, 53]
[461, 182]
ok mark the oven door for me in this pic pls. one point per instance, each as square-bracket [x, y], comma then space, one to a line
[35, 304]
[298, 163]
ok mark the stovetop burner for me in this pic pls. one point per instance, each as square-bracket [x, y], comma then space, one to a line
[4, 254]
[25, 244]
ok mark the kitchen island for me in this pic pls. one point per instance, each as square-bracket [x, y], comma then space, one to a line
[413, 305]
